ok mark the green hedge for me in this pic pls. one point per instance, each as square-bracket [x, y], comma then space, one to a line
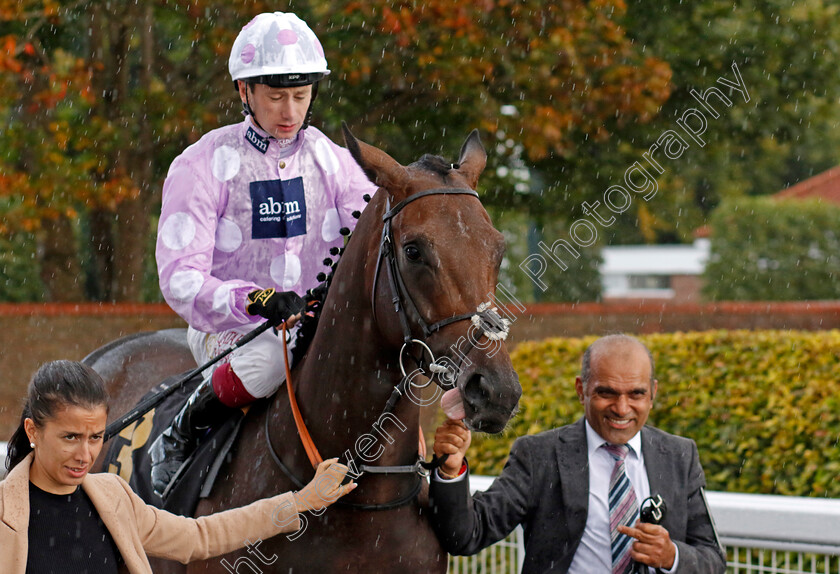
[19, 279]
[763, 406]
[767, 250]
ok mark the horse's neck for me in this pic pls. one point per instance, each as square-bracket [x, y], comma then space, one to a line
[349, 371]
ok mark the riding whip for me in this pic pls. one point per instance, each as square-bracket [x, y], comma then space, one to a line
[141, 409]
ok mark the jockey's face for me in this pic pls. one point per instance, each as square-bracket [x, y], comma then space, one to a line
[280, 111]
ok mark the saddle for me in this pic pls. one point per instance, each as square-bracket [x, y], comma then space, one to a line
[128, 456]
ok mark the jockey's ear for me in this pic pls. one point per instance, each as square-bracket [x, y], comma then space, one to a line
[381, 169]
[473, 159]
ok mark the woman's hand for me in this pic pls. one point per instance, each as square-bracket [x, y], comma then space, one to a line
[325, 487]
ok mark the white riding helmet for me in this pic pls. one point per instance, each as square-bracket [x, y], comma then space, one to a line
[277, 49]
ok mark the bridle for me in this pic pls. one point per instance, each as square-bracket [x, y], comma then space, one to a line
[399, 292]
[485, 318]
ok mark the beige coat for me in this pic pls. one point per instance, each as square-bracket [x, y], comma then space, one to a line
[139, 529]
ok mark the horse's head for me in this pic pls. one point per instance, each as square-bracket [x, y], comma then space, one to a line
[438, 263]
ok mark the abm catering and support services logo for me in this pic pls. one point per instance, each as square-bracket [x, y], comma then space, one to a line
[278, 208]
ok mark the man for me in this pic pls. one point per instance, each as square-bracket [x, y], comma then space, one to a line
[249, 213]
[568, 486]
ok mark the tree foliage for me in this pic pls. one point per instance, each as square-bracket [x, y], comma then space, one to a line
[765, 250]
[567, 67]
[99, 96]
[787, 132]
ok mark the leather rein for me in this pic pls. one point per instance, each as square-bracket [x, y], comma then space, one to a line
[484, 316]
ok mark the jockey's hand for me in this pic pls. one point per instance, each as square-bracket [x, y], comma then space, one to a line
[274, 306]
[452, 438]
[325, 488]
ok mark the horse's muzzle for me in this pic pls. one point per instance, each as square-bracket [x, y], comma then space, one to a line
[489, 405]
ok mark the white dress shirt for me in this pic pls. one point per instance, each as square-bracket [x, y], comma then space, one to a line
[594, 553]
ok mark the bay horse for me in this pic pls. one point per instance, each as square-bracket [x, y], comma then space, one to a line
[425, 247]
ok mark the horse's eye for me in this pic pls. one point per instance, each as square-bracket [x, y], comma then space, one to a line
[412, 253]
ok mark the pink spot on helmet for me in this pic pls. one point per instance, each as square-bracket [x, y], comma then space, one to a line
[287, 37]
[319, 48]
[247, 53]
[249, 24]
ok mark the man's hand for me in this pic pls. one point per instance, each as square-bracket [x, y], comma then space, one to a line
[653, 545]
[452, 438]
[274, 306]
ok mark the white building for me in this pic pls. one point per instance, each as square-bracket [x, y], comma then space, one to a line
[668, 272]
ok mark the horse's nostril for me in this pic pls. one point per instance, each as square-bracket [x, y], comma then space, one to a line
[476, 391]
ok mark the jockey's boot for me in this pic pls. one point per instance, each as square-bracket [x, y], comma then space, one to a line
[169, 450]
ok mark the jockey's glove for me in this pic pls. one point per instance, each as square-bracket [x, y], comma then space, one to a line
[273, 305]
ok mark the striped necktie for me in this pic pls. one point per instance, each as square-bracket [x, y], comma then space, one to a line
[624, 509]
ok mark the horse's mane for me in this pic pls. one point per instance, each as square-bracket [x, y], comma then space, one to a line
[314, 299]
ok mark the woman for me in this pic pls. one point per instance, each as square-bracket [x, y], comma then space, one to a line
[55, 517]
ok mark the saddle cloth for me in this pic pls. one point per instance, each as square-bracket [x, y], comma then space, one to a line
[128, 452]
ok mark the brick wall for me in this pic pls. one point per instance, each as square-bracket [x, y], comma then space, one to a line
[33, 334]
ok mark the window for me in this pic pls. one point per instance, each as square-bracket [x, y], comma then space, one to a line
[649, 281]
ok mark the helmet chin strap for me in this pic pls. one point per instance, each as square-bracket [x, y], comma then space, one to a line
[311, 103]
[246, 106]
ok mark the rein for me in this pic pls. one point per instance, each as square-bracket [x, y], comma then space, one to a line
[485, 315]
[420, 468]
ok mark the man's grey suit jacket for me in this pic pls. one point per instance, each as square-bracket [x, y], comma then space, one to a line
[545, 487]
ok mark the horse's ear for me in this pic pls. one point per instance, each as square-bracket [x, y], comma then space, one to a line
[381, 169]
[473, 158]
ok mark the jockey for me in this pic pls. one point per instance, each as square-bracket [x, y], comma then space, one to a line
[249, 213]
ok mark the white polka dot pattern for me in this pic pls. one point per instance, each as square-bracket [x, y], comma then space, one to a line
[228, 236]
[185, 285]
[326, 156]
[285, 270]
[194, 264]
[178, 231]
[225, 163]
[221, 299]
[330, 226]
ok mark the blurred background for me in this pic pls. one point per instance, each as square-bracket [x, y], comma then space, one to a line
[98, 97]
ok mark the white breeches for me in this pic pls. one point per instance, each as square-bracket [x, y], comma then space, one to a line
[258, 364]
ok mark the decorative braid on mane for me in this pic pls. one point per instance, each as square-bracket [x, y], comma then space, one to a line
[315, 298]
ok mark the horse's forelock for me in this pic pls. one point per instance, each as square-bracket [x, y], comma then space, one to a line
[433, 163]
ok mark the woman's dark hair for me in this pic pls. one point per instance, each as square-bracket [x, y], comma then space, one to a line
[55, 386]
